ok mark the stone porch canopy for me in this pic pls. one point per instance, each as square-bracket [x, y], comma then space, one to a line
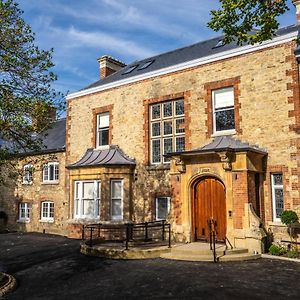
[112, 156]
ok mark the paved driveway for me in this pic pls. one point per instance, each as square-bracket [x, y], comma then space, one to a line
[51, 267]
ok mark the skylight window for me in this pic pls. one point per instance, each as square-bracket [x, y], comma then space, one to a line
[130, 69]
[146, 65]
[219, 44]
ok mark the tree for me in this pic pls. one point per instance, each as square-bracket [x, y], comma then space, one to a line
[247, 21]
[25, 84]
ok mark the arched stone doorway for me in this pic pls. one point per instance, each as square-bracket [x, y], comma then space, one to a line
[208, 202]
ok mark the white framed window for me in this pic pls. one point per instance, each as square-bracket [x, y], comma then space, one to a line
[103, 129]
[51, 172]
[24, 212]
[87, 199]
[162, 208]
[223, 110]
[116, 199]
[277, 195]
[27, 174]
[47, 213]
[167, 130]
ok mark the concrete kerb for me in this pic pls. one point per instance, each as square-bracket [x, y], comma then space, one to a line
[7, 286]
[280, 258]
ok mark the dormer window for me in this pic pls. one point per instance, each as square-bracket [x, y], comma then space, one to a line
[103, 129]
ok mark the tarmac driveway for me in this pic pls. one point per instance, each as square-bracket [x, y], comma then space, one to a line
[51, 267]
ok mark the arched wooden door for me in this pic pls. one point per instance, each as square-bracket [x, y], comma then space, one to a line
[209, 203]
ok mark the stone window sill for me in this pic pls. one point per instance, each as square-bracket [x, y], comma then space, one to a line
[50, 183]
[46, 221]
[23, 221]
[223, 133]
[276, 223]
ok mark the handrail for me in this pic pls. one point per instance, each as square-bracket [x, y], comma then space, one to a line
[212, 224]
[227, 240]
[127, 231]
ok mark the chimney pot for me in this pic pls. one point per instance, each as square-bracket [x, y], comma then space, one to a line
[109, 65]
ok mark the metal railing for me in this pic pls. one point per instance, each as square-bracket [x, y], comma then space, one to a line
[212, 225]
[128, 232]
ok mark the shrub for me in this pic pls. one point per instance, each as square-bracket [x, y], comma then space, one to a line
[276, 250]
[292, 254]
[288, 217]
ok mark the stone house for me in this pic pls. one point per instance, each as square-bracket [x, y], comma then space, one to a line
[208, 131]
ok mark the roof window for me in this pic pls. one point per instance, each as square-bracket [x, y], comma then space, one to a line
[219, 44]
[145, 65]
[130, 69]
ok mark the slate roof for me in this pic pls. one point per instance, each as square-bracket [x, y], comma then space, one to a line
[106, 157]
[53, 139]
[224, 143]
[181, 55]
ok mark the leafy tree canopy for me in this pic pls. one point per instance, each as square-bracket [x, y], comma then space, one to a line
[25, 84]
[247, 21]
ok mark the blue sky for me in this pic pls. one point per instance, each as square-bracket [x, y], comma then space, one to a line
[81, 31]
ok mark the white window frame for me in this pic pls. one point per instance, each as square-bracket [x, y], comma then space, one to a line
[79, 200]
[46, 171]
[27, 174]
[231, 107]
[156, 206]
[174, 135]
[275, 187]
[48, 217]
[26, 209]
[118, 217]
[102, 129]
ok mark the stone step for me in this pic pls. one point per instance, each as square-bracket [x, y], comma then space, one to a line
[184, 250]
[232, 257]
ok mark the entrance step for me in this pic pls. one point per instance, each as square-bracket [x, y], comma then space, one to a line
[202, 252]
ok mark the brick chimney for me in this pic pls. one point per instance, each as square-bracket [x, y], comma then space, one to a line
[297, 5]
[109, 65]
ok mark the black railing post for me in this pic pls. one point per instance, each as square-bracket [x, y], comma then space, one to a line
[210, 233]
[82, 234]
[127, 236]
[91, 237]
[163, 230]
[169, 235]
[99, 230]
[146, 231]
[214, 242]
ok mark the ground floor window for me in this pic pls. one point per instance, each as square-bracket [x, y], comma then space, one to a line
[87, 199]
[47, 211]
[116, 192]
[24, 212]
[277, 195]
[162, 205]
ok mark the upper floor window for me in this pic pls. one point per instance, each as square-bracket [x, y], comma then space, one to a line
[103, 129]
[51, 172]
[116, 192]
[47, 211]
[87, 199]
[167, 130]
[27, 174]
[162, 205]
[24, 212]
[277, 195]
[223, 110]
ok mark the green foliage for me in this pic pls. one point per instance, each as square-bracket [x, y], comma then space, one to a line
[247, 21]
[288, 217]
[25, 84]
[276, 250]
[292, 254]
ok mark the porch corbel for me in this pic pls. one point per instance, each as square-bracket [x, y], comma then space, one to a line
[180, 165]
[226, 159]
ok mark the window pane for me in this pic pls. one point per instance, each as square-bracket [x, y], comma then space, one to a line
[167, 107]
[98, 190]
[56, 170]
[88, 190]
[168, 127]
[116, 209]
[116, 189]
[77, 207]
[156, 129]
[103, 120]
[88, 208]
[51, 210]
[179, 107]
[45, 172]
[278, 202]
[277, 179]
[168, 145]
[224, 120]
[162, 208]
[155, 111]
[156, 151]
[51, 172]
[180, 144]
[180, 126]
[223, 98]
[103, 137]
